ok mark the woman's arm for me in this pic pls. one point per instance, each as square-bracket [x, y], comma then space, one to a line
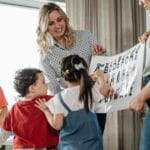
[137, 104]
[55, 120]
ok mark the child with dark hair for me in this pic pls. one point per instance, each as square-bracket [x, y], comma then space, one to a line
[28, 124]
[72, 110]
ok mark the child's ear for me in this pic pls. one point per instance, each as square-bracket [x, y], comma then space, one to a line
[31, 88]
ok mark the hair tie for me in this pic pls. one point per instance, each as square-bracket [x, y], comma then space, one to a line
[66, 72]
[79, 66]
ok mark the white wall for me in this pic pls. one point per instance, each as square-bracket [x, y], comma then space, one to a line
[17, 44]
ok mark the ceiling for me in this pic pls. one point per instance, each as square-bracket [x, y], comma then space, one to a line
[30, 3]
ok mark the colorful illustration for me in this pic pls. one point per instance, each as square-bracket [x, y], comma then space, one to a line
[124, 73]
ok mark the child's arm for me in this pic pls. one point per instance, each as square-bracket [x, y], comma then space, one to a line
[137, 104]
[55, 120]
[105, 88]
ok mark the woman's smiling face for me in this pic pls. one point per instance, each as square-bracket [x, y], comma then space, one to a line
[56, 25]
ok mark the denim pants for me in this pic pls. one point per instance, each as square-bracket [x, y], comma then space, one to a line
[145, 133]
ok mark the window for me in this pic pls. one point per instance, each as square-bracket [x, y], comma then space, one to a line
[18, 47]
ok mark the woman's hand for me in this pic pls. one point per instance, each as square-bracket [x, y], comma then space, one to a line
[137, 104]
[143, 38]
[98, 49]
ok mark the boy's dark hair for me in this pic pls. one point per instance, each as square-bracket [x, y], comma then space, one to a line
[73, 69]
[24, 78]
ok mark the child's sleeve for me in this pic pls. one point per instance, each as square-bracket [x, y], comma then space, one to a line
[55, 106]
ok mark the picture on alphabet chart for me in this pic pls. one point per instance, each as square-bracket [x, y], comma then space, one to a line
[124, 73]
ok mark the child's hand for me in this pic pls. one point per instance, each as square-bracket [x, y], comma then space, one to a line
[40, 104]
[93, 77]
[98, 75]
[101, 77]
[105, 88]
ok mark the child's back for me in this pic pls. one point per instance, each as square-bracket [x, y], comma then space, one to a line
[29, 125]
[80, 130]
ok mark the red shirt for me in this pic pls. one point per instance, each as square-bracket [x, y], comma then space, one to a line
[30, 126]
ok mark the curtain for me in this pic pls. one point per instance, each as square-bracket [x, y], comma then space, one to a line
[148, 20]
[116, 24]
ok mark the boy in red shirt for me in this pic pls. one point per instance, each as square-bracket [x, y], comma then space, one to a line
[28, 124]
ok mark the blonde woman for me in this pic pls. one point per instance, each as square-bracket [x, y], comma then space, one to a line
[56, 39]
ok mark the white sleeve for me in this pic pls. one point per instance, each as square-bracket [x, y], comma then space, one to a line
[55, 105]
[4, 135]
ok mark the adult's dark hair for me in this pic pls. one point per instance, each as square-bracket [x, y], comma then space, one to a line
[74, 69]
[24, 78]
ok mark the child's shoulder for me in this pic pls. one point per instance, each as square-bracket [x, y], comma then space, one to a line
[45, 97]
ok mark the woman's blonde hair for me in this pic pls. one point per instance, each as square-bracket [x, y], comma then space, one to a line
[43, 36]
